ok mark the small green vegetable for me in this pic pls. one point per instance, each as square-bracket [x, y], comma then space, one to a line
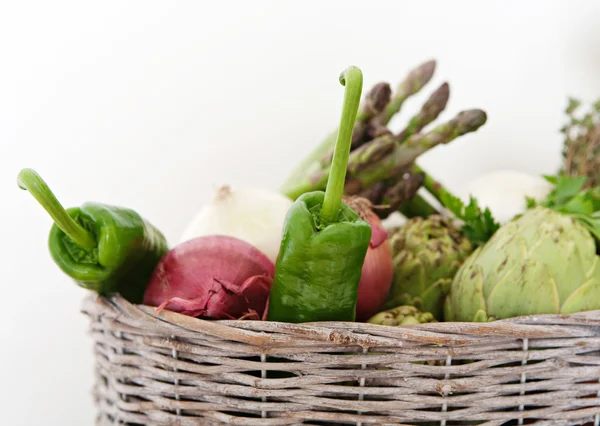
[426, 255]
[402, 315]
[324, 241]
[103, 248]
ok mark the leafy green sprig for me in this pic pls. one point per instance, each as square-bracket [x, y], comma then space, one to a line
[478, 224]
[570, 196]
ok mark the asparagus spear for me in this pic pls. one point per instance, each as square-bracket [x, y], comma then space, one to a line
[431, 109]
[417, 205]
[392, 194]
[375, 192]
[410, 203]
[375, 102]
[385, 156]
[399, 193]
[413, 82]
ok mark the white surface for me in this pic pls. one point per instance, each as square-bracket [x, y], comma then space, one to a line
[152, 104]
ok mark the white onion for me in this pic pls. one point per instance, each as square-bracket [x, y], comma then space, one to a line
[504, 192]
[253, 215]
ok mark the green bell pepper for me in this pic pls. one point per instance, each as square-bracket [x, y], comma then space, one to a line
[324, 241]
[103, 248]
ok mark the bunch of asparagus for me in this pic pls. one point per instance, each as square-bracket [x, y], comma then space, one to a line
[382, 164]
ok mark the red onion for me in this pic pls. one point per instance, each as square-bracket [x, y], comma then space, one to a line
[213, 277]
[378, 267]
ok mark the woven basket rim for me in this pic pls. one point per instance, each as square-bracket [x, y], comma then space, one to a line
[260, 333]
[227, 370]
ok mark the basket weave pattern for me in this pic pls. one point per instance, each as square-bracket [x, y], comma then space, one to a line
[169, 369]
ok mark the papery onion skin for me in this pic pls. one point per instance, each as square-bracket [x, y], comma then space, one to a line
[253, 215]
[212, 277]
[378, 267]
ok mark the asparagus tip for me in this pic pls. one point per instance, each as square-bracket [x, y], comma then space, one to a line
[428, 68]
[443, 92]
[421, 75]
[430, 65]
[379, 96]
[472, 119]
[431, 109]
[436, 103]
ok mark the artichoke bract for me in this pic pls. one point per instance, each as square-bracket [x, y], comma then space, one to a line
[542, 262]
[426, 253]
[402, 315]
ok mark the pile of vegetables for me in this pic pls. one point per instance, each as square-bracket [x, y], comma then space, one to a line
[322, 249]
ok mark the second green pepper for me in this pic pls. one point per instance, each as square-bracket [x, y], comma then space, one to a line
[319, 266]
[324, 241]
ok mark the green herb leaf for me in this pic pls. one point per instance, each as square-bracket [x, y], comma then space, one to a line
[567, 187]
[479, 225]
[530, 202]
[452, 203]
[571, 198]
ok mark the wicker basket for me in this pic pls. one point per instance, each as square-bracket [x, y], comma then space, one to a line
[176, 370]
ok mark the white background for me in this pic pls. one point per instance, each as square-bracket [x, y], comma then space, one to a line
[151, 104]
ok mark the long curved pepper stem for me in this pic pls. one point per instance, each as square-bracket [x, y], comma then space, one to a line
[29, 180]
[352, 79]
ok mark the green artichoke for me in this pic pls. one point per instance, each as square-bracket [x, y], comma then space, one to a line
[427, 253]
[542, 262]
[402, 315]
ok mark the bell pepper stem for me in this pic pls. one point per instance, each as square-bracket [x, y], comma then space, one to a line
[352, 79]
[29, 180]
